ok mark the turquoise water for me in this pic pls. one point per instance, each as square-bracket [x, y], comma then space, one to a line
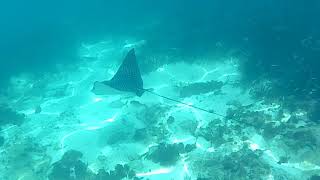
[243, 77]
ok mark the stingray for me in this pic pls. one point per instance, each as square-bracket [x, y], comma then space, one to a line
[128, 79]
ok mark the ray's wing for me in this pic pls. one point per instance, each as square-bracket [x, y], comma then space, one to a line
[128, 77]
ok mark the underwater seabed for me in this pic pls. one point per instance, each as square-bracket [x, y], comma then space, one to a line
[70, 133]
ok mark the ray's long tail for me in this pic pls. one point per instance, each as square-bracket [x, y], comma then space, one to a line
[180, 102]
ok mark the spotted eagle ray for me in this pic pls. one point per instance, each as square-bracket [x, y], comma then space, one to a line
[128, 79]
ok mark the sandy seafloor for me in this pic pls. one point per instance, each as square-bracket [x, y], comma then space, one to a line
[101, 127]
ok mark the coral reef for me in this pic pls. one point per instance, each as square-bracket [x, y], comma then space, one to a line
[246, 164]
[168, 154]
[165, 154]
[120, 172]
[262, 90]
[242, 164]
[243, 114]
[214, 133]
[302, 138]
[262, 122]
[70, 167]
